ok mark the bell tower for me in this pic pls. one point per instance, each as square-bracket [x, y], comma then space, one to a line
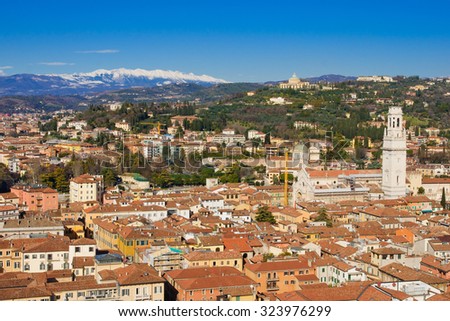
[394, 156]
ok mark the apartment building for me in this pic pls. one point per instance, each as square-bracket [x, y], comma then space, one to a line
[86, 188]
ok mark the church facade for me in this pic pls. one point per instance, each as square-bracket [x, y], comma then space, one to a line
[295, 83]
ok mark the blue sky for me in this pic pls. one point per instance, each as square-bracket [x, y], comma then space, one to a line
[251, 41]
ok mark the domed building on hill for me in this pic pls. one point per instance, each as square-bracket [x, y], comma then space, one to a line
[295, 83]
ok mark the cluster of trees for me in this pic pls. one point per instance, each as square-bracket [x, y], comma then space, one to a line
[264, 215]
[7, 179]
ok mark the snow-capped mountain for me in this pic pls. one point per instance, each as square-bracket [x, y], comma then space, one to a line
[98, 80]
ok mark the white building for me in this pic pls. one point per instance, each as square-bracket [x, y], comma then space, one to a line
[86, 188]
[394, 156]
[254, 134]
[124, 125]
[333, 185]
[212, 202]
[152, 148]
[47, 254]
[279, 101]
[376, 78]
[295, 83]
[228, 136]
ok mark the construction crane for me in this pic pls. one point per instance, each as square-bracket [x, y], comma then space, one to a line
[155, 124]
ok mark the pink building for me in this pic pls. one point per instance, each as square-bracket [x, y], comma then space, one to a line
[36, 198]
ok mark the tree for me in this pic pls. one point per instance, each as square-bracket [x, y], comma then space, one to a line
[421, 190]
[57, 179]
[264, 215]
[6, 179]
[109, 177]
[323, 217]
[443, 201]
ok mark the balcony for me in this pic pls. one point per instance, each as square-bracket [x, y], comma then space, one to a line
[143, 297]
[272, 286]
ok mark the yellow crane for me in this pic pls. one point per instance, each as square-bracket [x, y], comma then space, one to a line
[157, 124]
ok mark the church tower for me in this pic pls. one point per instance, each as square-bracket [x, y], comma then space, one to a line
[394, 156]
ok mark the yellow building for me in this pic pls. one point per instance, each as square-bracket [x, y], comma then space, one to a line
[280, 276]
[130, 239]
[213, 259]
[10, 256]
[106, 234]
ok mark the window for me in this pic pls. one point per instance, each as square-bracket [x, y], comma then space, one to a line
[77, 249]
[137, 291]
[191, 293]
[292, 281]
[27, 257]
[16, 254]
[291, 273]
[42, 267]
[26, 267]
[42, 256]
[17, 265]
[210, 291]
[286, 282]
[91, 249]
[125, 292]
[286, 273]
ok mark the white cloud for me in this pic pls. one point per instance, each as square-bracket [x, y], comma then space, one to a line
[57, 63]
[103, 51]
[3, 68]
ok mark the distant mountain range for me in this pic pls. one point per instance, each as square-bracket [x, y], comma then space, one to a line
[97, 81]
[106, 80]
[331, 78]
